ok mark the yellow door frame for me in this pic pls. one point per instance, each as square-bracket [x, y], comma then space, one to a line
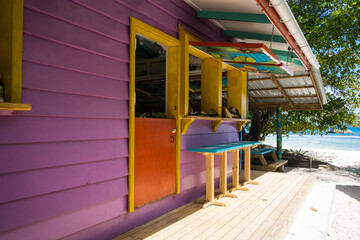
[173, 70]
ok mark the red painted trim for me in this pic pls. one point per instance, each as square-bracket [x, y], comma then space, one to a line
[229, 44]
[275, 19]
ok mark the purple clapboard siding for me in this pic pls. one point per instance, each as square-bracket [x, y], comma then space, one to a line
[206, 30]
[190, 141]
[45, 51]
[47, 129]
[30, 210]
[71, 176]
[46, 155]
[73, 105]
[66, 224]
[63, 165]
[53, 78]
[76, 15]
[64, 32]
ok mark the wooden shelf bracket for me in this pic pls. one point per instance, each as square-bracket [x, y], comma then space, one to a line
[216, 124]
[185, 123]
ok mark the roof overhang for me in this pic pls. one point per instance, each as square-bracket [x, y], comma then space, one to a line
[271, 23]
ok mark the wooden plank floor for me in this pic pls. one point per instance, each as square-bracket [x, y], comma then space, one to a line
[265, 212]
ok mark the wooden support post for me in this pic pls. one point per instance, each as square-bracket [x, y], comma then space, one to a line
[223, 175]
[210, 177]
[247, 166]
[211, 85]
[279, 133]
[210, 192]
[235, 172]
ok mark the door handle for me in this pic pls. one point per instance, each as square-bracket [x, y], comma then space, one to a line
[171, 139]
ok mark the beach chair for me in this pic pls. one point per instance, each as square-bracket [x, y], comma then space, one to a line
[276, 165]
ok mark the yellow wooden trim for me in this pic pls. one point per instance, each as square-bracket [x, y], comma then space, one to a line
[185, 123]
[243, 109]
[178, 155]
[15, 106]
[184, 73]
[211, 85]
[215, 124]
[131, 177]
[237, 91]
[216, 118]
[153, 33]
[17, 43]
[11, 33]
[240, 125]
[198, 53]
[173, 74]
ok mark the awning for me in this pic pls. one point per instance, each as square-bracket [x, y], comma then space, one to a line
[248, 57]
[270, 22]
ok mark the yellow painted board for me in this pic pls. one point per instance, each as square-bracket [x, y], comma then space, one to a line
[211, 85]
[15, 106]
[131, 177]
[243, 110]
[237, 91]
[17, 43]
[172, 81]
[184, 73]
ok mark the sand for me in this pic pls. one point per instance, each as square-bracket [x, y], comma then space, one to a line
[345, 216]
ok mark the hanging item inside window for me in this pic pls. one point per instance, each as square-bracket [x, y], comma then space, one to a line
[248, 57]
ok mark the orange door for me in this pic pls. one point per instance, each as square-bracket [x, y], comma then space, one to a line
[155, 159]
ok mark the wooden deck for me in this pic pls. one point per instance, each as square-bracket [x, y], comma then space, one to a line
[265, 212]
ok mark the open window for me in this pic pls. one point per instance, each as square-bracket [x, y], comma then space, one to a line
[150, 78]
[11, 29]
[213, 82]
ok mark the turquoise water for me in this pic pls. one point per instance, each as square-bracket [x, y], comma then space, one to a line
[335, 141]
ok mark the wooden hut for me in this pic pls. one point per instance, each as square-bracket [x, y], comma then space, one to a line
[77, 158]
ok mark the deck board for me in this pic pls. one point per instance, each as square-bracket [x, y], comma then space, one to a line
[266, 211]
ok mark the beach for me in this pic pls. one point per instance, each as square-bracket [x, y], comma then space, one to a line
[343, 153]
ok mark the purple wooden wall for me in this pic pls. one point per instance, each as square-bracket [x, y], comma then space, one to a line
[63, 165]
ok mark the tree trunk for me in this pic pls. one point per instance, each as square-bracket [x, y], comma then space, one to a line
[258, 123]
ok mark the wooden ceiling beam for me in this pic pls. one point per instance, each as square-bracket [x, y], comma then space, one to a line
[276, 82]
[284, 106]
[285, 88]
[294, 96]
[315, 86]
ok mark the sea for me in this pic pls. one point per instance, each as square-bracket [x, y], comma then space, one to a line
[334, 141]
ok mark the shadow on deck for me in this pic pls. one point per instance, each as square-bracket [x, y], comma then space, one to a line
[265, 212]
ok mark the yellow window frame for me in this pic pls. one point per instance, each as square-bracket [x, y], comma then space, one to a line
[11, 46]
[173, 75]
[238, 88]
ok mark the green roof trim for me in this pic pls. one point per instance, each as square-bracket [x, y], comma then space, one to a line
[244, 17]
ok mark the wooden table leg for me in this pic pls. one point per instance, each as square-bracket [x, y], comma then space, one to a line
[210, 199]
[235, 172]
[210, 178]
[247, 166]
[223, 177]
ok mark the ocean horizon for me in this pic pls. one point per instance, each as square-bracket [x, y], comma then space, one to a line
[333, 141]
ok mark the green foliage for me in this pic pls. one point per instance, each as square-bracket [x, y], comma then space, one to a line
[328, 23]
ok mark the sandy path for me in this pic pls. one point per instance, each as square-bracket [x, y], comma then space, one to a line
[345, 218]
